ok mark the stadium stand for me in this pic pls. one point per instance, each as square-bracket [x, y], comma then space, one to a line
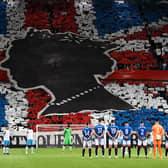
[112, 16]
[140, 31]
[134, 59]
[3, 102]
[16, 105]
[142, 114]
[3, 18]
[37, 16]
[64, 17]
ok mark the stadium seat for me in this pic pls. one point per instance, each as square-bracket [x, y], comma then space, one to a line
[3, 18]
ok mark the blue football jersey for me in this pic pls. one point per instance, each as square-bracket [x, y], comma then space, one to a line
[86, 132]
[112, 129]
[166, 131]
[99, 129]
[142, 131]
[126, 132]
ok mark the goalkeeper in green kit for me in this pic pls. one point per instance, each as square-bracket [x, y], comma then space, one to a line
[67, 138]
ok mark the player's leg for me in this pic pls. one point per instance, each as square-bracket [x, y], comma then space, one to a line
[129, 148]
[160, 149]
[32, 146]
[27, 146]
[7, 147]
[110, 147]
[7, 150]
[145, 148]
[65, 144]
[96, 146]
[26, 149]
[124, 146]
[166, 148]
[70, 144]
[116, 148]
[151, 147]
[102, 146]
[154, 148]
[83, 149]
[4, 147]
[139, 147]
[89, 143]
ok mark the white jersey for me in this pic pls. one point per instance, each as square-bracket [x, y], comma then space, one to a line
[6, 135]
[29, 134]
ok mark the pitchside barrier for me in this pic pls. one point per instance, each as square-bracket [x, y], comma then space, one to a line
[50, 136]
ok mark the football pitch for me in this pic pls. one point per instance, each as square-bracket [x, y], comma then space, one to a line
[53, 157]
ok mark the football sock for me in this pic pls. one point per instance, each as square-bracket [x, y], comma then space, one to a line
[63, 148]
[26, 149]
[32, 149]
[4, 150]
[109, 151]
[96, 150]
[116, 151]
[129, 151]
[83, 152]
[166, 151]
[138, 151]
[7, 149]
[160, 150]
[103, 150]
[146, 150]
[90, 152]
[70, 148]
[123, 152]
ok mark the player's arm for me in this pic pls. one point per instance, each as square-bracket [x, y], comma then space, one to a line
[126, 137]
[138, 134]
[153, 131]
[162, 131]
[102, 133]
[117, 133]
[71, 131]
[109, 133]
[122, 133]
[90, 135]
[94, 132]
[11, 133]
[147, 133]
[83, 133]
[166, 135]
[64, 132]
[130, 133]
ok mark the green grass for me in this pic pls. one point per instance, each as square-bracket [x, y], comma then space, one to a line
[53, 158]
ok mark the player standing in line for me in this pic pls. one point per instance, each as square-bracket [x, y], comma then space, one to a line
[142, 138]
[67, 138]
[126, 132]
[166, 143]
[30, 141]
[87, 140]
[150, 142]
[113, 132]
[6, 141]
[157, 131]
[99, 132]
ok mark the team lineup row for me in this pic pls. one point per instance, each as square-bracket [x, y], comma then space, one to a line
[98, 131]
[126, 132]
